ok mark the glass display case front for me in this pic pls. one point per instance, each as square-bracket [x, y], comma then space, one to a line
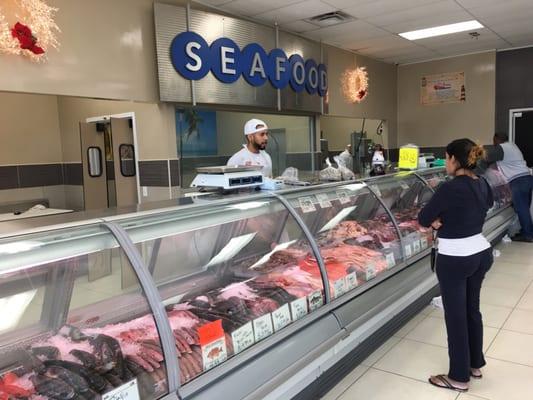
[500, 189]
[355, 235]
[80, 321]
[434, 177]
[76, 322]
[404, 194]
[243, 273]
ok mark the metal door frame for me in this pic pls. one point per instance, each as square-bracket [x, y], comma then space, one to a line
[512, 118]
[107, 118]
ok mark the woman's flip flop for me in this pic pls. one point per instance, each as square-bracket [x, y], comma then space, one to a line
[476, 376]
[444, 383]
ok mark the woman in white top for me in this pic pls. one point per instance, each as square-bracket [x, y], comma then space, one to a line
[458, 210]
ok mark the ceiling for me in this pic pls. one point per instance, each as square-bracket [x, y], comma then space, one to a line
[374, 31]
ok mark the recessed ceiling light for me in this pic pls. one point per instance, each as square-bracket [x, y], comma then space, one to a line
[441, 30]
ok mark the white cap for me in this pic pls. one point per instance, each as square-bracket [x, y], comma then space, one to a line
[254, 126]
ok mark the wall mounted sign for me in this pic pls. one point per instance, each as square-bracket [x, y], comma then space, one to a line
[193, 58]
[442, 88]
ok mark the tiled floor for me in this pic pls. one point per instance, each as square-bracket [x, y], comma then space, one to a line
[400, 368]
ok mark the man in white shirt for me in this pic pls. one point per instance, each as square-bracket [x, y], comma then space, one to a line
[253, 152]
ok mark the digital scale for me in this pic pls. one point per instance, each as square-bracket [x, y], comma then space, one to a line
[228, 178]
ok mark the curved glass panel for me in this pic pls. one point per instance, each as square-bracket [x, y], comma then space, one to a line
[356, 236]
[230, 276]
[87, 329]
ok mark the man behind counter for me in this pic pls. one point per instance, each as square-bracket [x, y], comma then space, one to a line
[253, 152]
[513, 167]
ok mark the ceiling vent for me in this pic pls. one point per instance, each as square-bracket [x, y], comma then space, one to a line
[330, 19]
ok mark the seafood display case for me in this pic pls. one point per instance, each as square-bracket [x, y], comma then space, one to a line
[217, 296]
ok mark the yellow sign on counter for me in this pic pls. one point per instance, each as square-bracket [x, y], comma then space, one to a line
[408, 158]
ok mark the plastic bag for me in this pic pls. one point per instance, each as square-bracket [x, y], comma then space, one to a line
[289, 175]
[346, 159]
[346, 173]
[437, 302]
[506, 239]
[330, 173]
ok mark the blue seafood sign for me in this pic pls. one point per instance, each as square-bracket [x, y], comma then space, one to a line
[193, 59]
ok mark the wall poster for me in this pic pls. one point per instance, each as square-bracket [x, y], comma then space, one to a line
[443, 88]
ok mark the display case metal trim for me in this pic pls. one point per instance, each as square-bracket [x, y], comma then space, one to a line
[155, 302]
[311, 240]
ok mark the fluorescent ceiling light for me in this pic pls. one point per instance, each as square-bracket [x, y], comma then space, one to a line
[441, 30]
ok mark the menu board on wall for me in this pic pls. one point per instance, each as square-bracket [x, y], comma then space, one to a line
[442, 88]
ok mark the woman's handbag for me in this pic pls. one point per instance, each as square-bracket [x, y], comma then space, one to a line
[434, 250]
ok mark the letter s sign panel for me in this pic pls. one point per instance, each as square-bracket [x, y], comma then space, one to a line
[189, 53]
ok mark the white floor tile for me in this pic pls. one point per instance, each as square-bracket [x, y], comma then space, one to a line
[427, 310]
[520, 321]
[506, 281]
[503, 381]
[344, 384]
[500, 297]
[378, 385]
[526, 303]
[409, 326]
[524, 269]
[493, 316]
[381, 351]
[517, 254]
[415, 360]
[433, 331]
[514, 347]
[466, 396]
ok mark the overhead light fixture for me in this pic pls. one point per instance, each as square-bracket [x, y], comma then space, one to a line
[442, 30]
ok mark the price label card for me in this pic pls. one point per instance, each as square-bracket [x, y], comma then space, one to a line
[263, 327]
[370, 272]
[306, 204]
[351, 281]
[323, 200]
[391, 262]
[339, 287]
[404, 185]
[243, 337]
[343, 197]
[408, 251]
[128, 391]
[416, 246]
[424, 243]
[214, 353]
[376, 190]
[299, 308]
[281, 317]
[315, 300]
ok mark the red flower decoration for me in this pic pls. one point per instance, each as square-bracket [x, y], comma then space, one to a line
[362, 93]
[26, 39]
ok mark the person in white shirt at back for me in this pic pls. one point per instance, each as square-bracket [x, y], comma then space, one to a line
[253, 152]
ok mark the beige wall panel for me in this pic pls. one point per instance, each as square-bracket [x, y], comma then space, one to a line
[156, 132]
[230, 128]
[381, 101]
[337, 130]
[55, 195]
[11, 195]
[74, 197]
[437, 125]
[29, 129]
[107, 51]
